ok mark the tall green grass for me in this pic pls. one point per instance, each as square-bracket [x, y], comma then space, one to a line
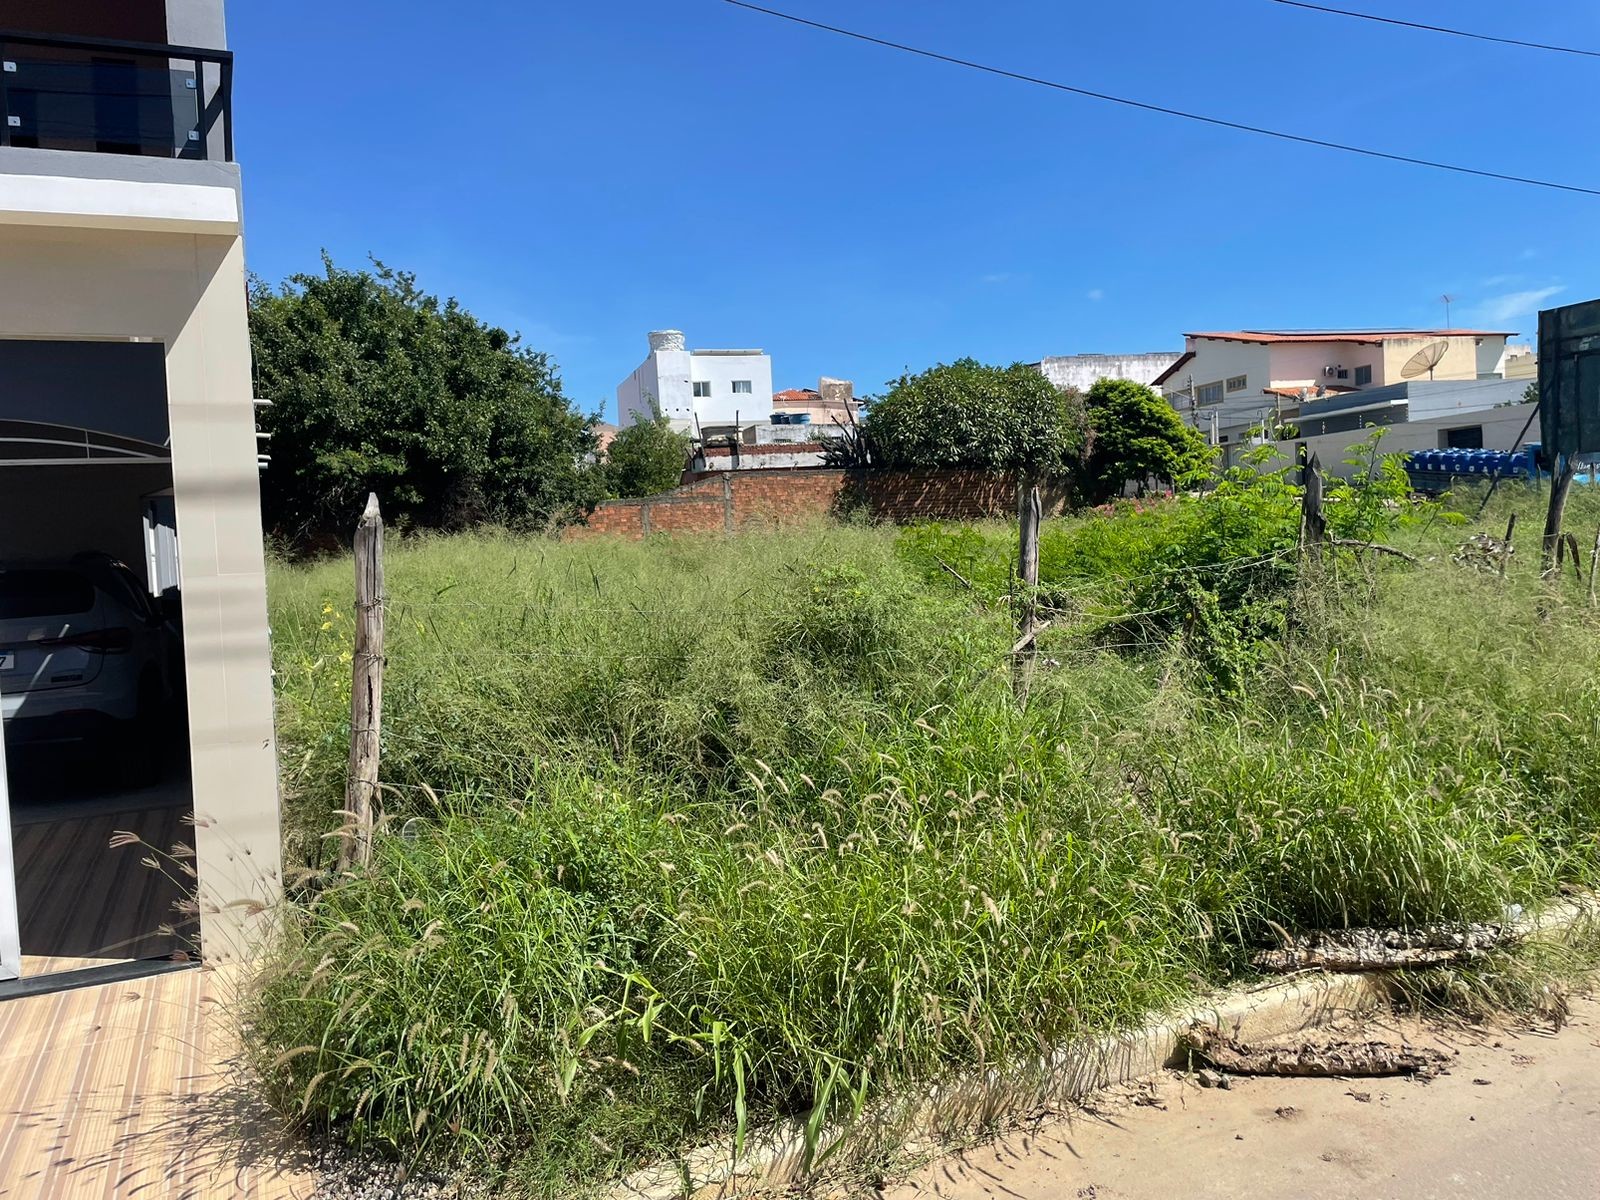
[690, 833]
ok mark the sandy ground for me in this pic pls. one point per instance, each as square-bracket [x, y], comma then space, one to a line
[1516, 1117]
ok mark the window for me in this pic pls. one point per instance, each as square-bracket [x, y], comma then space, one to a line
[27, 594]
[1341, 373]
[1237, 383]
[741, 387]
[1363, 376]
[1208, 393]
[702, 388]
[1469, 437]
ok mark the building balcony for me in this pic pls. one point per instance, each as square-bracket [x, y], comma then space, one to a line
[102, 96]
[116, 135]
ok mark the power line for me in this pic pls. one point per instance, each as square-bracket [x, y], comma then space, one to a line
[1302, 139]
[1461, 33]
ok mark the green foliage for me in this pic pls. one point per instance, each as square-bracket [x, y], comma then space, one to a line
[723, 836]
[1137, 436]
[377, 386]
[645, 458]
[966, 414]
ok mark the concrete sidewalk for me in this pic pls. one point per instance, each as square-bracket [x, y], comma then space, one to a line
[1516, 1117]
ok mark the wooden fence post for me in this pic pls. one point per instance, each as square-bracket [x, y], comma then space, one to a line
[1030, 511]
[1313, 526]
[1505, 546]
[366, 691]
[1594, 561]
[1559, 484]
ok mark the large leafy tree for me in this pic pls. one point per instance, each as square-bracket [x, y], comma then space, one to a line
[377, 386]
[966, 414]
[645, 458]
[1136, 437]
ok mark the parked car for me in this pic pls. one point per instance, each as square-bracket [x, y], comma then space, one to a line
[86, 655]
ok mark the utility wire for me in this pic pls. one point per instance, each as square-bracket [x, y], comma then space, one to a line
[1157, 108]
[1461, 33]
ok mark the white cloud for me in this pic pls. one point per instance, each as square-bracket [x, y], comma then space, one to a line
[1096, 294]
[1509, 307]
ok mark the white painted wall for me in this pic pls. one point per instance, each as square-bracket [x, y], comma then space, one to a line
[1492, 356]
[720, 371]
[668, 378]
[1217, 362]
[1501, 427]
[1083, 371]
[636, 393]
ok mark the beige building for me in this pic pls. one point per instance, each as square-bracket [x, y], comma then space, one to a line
[134, 658]
[1228, 382]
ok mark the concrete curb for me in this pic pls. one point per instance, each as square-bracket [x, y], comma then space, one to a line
[775, 1156]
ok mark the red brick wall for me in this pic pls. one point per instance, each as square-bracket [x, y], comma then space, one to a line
[733, 500]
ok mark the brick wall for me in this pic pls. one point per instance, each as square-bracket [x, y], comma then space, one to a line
[731, 500]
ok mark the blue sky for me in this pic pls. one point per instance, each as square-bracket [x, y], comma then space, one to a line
[585, 172]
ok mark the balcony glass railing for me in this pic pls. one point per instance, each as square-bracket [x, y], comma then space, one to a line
[115, 97]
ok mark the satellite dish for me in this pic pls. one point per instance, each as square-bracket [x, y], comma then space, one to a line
[1425, 359]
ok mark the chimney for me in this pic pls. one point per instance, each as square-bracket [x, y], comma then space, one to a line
[666, 339]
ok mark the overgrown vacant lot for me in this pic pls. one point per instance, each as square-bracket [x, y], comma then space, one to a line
[690, 833]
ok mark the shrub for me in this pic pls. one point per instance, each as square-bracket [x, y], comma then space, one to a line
[1136, 436]
[966, 414]
[377, 386]
[646, 458]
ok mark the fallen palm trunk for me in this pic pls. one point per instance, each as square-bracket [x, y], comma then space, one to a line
[1336, 1059]
[1383, 949]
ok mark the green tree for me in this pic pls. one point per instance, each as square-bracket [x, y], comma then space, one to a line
[1137, 436]
[966, 414]
[645, 458]
[377, 386]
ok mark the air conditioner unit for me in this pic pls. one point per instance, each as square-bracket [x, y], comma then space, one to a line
[1327, 372]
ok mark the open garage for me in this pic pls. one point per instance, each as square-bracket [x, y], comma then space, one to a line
[91, 657]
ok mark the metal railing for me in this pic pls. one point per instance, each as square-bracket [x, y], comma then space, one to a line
[115, 97]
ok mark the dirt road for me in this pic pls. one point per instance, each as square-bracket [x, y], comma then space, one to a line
[1516, 1118]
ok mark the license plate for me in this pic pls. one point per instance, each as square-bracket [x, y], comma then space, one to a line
[8, 659]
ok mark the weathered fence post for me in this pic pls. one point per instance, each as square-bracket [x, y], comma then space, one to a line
[1505, 546]
[1313, 526]
[1030, 511]
[1594, 561]
[1559, 484]
[366, 691]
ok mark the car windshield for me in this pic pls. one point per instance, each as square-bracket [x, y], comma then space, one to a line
[34, 593]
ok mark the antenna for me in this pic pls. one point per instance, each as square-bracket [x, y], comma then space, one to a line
[1447, 301]
[1425, 359]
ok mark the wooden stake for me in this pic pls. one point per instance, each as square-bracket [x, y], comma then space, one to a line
[1565, 470]
[366, 691]
[1030, 511]
[1313, 526]
[1505, 546]
[1594, 561]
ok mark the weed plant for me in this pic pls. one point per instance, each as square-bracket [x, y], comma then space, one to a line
[687, 834]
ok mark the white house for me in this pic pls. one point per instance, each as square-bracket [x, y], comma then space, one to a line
[721, 387]
[1231, 381]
